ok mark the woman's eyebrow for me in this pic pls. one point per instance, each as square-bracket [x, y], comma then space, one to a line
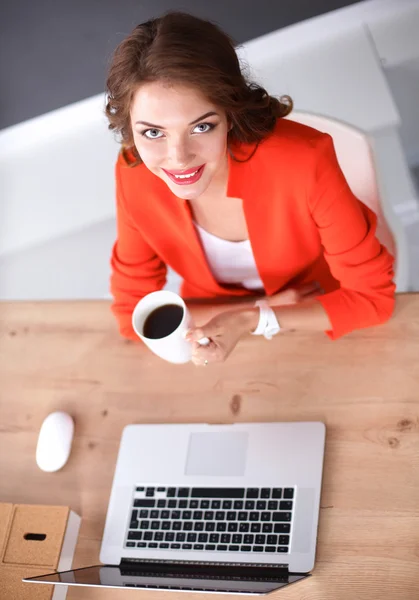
[208, 114]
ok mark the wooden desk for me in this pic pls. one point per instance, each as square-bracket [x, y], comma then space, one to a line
[365, 387]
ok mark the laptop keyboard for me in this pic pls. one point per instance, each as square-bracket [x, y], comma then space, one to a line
[211, 519]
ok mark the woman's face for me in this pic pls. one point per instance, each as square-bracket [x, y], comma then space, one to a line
[181, 137]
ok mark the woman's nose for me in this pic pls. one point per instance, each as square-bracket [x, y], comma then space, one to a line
[181, 155]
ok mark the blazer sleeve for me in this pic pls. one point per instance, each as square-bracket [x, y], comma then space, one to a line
[136, 270]
[356, 258]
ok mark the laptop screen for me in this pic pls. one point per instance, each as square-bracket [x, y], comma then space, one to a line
[116, 577]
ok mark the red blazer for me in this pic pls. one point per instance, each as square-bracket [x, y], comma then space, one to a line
[304, 225]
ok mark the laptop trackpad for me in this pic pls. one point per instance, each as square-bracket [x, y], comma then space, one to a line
[217, 453]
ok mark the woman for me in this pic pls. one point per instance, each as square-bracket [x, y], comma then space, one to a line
[240, 202]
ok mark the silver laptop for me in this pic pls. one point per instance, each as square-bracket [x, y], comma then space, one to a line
[211, 508]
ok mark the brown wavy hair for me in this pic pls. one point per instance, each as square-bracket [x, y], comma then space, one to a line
[181, 48]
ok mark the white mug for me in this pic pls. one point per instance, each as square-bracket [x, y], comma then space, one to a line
[173, 347]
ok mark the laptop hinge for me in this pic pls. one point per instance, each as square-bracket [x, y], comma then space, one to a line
[218, 570]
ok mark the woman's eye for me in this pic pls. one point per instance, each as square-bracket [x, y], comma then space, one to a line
[152, 134]
[204, 127]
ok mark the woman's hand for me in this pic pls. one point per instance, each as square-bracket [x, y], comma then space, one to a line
[223, 331]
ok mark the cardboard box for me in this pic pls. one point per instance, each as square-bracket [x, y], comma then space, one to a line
[35, 540]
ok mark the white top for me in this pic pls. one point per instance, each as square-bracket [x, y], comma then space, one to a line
[230, 262]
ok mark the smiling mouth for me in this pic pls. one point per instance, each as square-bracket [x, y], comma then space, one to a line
[186, 177]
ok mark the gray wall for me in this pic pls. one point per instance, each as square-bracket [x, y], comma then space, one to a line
[54, 52]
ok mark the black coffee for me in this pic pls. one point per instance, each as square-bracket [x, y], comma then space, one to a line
[162, 321]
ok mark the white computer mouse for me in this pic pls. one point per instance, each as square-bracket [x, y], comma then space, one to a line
[54, 441]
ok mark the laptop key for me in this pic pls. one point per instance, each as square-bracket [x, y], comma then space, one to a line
[144, 524]
[231, 515]
[187, 526]
[186, 514]
[216, 504]
[214, 538]
[289, 493]
[254, 516]
[165, 525]
[238, 505]
[210, 526]
[198, 546]
[172, 504]
[193, 503]
[155, 524]
[270, 548]
[246, 549]
[177, 525]
[148, 535]
[171, 492]
[153, 545]
[210, 547]
[158, 536]
[281, 516]
[285, 505]
[221, 526]
[267, 528]
[204, 504]
[186, 546]
[175, 546]
[252, 493]
[175, 514]
[164, 545]
[227, 504]
[183, 504]
[283, 540]
[282, 549]
[237, 538]
[282, 528]
[261, 505]
[183, 493]
[144, 503]
[225, 538]
[139, 489]
[170, 536]
[273, 505]
[217, 493]
[272, 540]
[130, 544]
[203, 537]
[133, 525]
[250, 505]
[154, 514]
[260, 539]
[191, 537]
[144, 514]
[165, 514]
[135, 535]
[257, 548]
[243, 516]
[141, 544]
[181, 536]
[149, 492]
[233, 548]
[161, 489]
[232, 527]
[198, 514]
[277, 493]
[265, 517]
[265, 493]
[244, 527]
[199, 526]
[134, 515]
[209, 515]
[222, 547]
[161, 503]
[255, 527]
[249, 539]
